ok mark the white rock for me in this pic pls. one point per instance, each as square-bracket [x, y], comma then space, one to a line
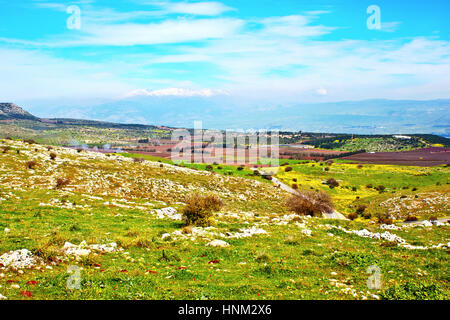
[7, 230]
[18, 259]
[165, 236]
[2, 297]
[218, 243]
[426, 223]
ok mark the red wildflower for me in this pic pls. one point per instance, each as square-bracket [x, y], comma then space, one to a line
[27, 294]
[32, 282]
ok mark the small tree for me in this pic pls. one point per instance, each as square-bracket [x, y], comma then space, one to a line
[332, 183]
[31, 164]
[62, 182]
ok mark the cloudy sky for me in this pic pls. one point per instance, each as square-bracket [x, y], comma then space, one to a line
[284, 50]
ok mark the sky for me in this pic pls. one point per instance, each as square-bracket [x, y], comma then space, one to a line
[280, 51]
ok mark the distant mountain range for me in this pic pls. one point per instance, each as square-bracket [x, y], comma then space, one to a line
[227, 112]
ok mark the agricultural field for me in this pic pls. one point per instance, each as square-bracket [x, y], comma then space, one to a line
[397, 190]
[120, 223]
[67, 132]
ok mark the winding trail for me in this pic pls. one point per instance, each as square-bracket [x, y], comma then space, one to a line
[333, 215]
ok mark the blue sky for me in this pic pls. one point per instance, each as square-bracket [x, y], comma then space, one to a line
[277, 51]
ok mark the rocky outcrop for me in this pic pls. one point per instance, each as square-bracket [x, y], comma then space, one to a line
[13, 111]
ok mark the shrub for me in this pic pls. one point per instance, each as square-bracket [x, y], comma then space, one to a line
[138, 160]
[199, 209]
[294, 179]
[359, 166]
[411, 218]
[287, 169]
[46, 251]
[361, 208]
[310, 203]
[332, 183]
[294, 186]
[29, 141]
[209, 167]
[187, 230]
[53, 156]
[380, 188]
[385, 219]
[369, 186]
[414, 189]
[354, 189]
[326, 169]
[352, 216]
[240, 168]
[366, 215]
[62, 182]
[263, 257]
[267, 177]
[6, 149]
[31, 164]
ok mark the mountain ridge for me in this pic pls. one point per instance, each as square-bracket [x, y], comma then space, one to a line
[11, 111]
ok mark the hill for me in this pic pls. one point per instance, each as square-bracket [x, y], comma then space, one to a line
[118, 222]
[9, 111]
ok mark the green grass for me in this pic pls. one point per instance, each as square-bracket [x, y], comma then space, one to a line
[353, 181]
[282, 264]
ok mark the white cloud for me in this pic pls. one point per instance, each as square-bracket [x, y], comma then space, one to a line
[130, 34]
[180, 92]
[293, 26]
[198, 8]
[322, 91]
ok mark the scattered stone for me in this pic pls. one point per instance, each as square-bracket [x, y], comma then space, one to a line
[83, 249]
[218, 243]
[166, 236]
[18, 259]
[168, 213]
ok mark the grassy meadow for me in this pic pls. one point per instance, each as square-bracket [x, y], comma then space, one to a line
[422, 191]
[47, 201]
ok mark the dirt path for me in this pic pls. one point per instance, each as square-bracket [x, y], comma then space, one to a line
[333, 215]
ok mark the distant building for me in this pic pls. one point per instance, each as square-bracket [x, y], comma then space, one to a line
[401, 137]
